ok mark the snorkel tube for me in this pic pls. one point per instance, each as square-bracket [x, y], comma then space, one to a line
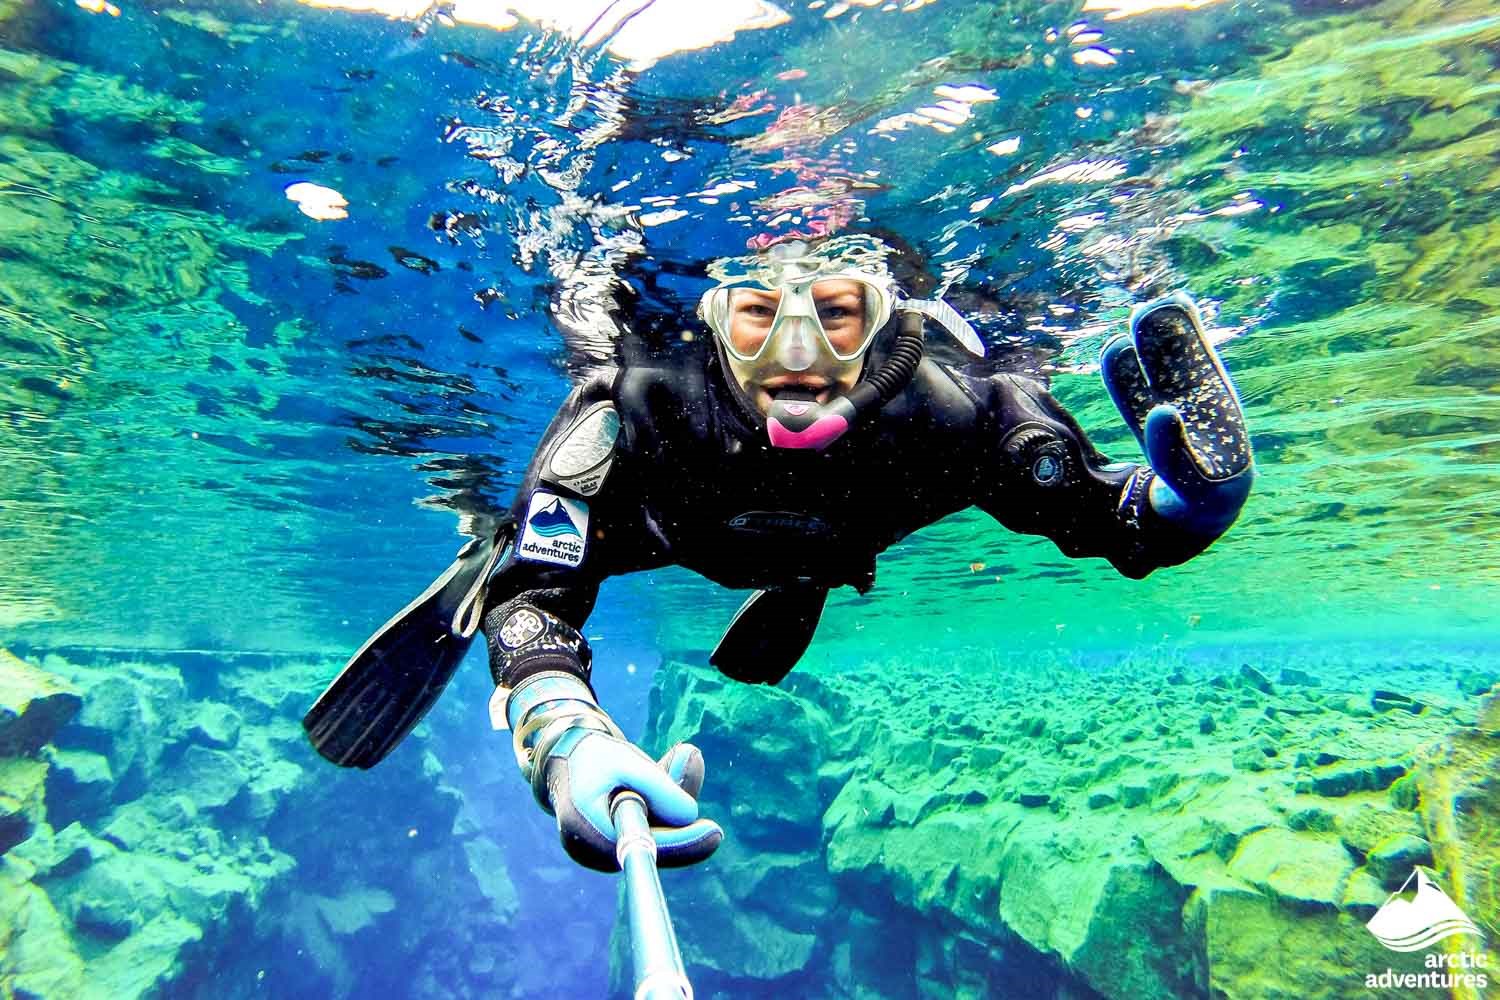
[797, 420]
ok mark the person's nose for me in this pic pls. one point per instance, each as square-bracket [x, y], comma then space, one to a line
[798, 352]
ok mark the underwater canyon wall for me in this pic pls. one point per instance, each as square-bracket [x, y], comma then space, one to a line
[1138, 832]
[166, 830]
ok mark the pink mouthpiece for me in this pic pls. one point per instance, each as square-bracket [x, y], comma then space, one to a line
[820, 434]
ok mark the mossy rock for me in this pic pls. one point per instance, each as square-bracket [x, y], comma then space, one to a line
[79, 784]
[37, 955]
[1304, 869]
[22, 799]
[143, 964]
[1368, 823]
[34, 705]
[1255, 947]
[1391, 860]
[214, 725]
[210, 779]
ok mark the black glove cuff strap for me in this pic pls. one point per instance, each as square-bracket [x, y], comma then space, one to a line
[525, 640]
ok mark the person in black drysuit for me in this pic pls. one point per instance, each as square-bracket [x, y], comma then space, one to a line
[818, 435]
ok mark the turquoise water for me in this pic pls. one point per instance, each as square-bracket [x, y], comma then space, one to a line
[237, 437]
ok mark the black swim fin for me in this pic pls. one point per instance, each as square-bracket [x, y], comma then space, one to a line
[397, 675]
[769, 634]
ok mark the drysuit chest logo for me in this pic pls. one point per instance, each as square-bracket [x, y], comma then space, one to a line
[1046, 470]
[556, 530]
[779, 522]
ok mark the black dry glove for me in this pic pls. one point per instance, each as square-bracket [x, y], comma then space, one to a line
[1173, 391]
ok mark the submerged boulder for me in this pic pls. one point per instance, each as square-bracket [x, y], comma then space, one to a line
[22, 784]
[34, 705]
[37, 955]
[214, 725]
[1242, 864]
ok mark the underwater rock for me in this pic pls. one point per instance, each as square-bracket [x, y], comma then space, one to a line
[112, 899]
[1363, 894]
[174, 845]
[210, 779]
[271, 786]
[1366, 777]
[1256, 947]
[139, 823]
[37, 955]
[145, 962]
[1369, 823]
[1313, 818]
[1254, 679]
[1291, 675]
[115, 721]
[354, 910]
[33, 706]
[1033, 796]
[79, 784]
[1392, 860]
[1298, 867]
[1385, 701]
[215, 725]
[64, 852]
[784, 799]
[1211, 869]
[1477, 680]
[986, 757]
[793, 889]
[487, 862]
[1459, 781]
[1248, 758]
[22, 789]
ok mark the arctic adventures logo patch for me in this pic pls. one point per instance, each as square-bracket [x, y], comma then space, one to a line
[556, 530]
[1409, 925]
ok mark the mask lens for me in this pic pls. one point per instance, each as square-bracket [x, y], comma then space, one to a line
[750, 314]
[834, 316]
[844, 314]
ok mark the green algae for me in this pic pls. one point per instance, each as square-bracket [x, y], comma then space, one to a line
[1137, 860]
[195, 835]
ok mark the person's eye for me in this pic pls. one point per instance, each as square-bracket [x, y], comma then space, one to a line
[835, 312]
[758, 310]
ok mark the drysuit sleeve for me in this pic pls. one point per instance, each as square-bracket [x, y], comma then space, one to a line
[1045, 478]
[548, 582]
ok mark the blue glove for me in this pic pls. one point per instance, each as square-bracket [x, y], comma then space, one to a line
[1173, 391]
[586, 767]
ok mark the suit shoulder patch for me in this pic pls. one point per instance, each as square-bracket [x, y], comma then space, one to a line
[583, 456]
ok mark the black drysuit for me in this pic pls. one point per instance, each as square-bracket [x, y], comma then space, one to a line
[695, 482]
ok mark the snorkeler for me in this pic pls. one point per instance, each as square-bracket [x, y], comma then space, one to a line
[819, 434]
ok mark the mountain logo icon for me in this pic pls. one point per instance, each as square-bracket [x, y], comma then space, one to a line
[1417, 923]
[552, 521]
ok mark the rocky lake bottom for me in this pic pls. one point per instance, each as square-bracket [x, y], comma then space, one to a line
[1142, 829]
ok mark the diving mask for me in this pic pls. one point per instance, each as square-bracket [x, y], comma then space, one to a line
[799, 311]
[795, 311]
